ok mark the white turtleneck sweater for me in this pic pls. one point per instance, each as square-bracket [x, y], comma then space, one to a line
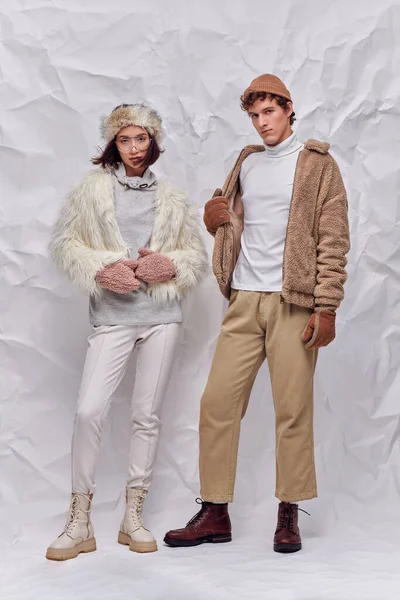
[266, 181]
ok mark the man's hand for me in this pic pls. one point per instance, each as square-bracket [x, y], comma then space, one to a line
[216, 211]
[320, 329]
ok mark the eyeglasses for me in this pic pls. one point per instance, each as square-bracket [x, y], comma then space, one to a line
[140, 143]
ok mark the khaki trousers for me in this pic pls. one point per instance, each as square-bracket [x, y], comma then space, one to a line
[258, 325]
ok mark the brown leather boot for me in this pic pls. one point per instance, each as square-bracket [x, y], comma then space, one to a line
[210, 524]
[287, 535]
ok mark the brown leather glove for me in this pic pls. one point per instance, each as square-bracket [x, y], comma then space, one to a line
[320, 329]
[216, 211]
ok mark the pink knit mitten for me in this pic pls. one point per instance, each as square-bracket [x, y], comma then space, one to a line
[118, 278]
[154, 267]
[131, 263]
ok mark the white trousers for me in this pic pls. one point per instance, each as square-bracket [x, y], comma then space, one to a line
[106, 361]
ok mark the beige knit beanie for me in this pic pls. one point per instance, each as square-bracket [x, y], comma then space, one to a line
[271, 84]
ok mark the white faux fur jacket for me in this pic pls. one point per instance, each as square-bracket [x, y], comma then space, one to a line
[86, 236]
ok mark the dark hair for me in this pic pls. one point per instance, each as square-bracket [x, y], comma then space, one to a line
[110, 157]
[248, 99]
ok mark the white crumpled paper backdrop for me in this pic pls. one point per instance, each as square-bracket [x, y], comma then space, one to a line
[62, 65]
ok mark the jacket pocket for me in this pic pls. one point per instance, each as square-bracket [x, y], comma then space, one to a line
[305, 267]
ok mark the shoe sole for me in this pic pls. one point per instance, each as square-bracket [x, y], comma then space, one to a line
[210, 539]
[125, 540]
[67, 553]
[287, 548]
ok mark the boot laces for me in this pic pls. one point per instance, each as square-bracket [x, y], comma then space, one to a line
[137, 508]
[198, 517]
[74, 509]
[286, 518]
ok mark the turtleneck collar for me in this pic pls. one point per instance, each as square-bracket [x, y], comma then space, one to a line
[147, 180]
[288, 146]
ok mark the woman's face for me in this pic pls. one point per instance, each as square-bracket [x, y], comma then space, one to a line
[132, 143]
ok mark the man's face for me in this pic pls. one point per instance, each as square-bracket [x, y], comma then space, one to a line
[271, 121]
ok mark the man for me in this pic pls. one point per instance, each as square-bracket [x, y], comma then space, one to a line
[281, 239]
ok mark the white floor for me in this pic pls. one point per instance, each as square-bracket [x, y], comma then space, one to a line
[353, 562]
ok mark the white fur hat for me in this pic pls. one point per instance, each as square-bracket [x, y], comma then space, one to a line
[131, 114]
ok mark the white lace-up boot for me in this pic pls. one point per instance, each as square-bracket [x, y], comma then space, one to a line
[78, 534]
[132, 532]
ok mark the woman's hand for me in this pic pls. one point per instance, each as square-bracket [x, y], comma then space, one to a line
[118, 277]
[153, 267]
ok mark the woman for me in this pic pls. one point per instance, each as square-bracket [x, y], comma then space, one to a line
[133, 244]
